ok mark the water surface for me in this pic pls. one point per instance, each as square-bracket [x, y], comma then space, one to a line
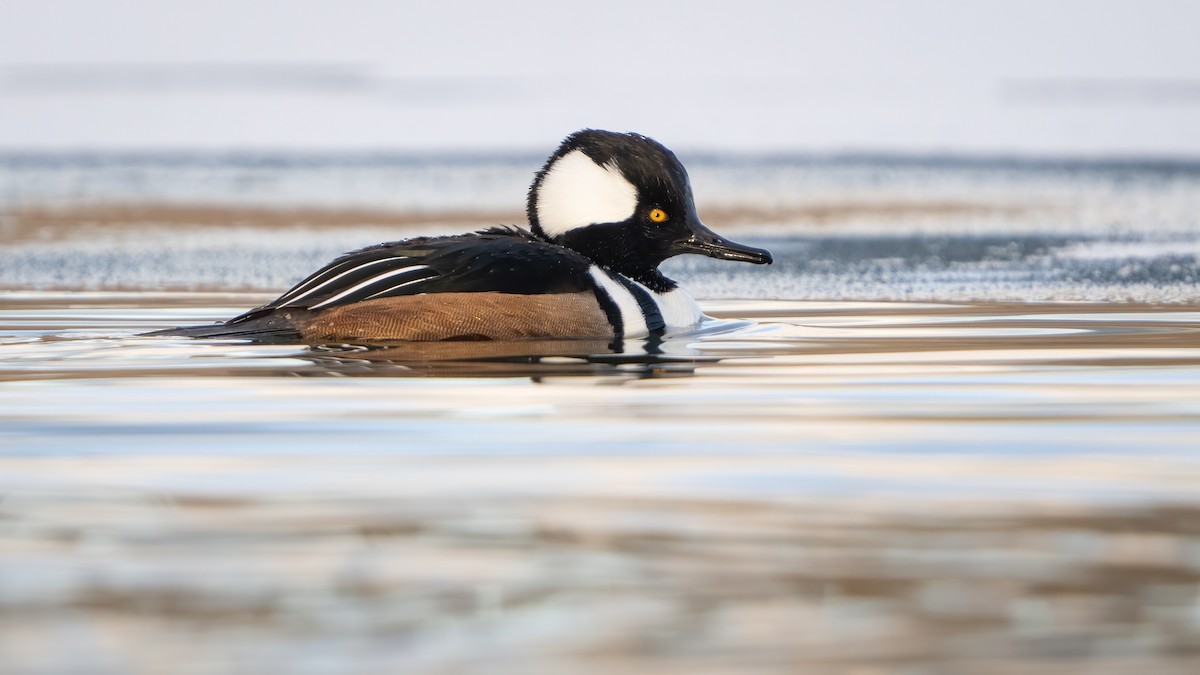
[953, 429]
[909, 487]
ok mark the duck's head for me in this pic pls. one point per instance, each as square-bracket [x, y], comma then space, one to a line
[625, 202]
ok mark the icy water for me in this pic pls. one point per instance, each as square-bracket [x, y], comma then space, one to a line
[955, 429]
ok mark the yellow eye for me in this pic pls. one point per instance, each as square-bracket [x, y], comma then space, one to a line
[658, 216]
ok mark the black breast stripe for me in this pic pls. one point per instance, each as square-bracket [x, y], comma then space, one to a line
[611, 311]
[650, 310]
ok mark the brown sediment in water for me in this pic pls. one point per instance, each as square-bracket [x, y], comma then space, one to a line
[50, 223]
[688, 585]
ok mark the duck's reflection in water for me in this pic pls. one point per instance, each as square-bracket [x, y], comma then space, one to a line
[651, 357]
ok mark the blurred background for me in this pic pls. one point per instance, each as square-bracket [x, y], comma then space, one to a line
[918, 150]
[983, 77]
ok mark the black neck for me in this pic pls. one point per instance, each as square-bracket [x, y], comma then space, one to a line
[655, 281]
[613, 247]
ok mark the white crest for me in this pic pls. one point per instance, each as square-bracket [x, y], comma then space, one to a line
[577, 191]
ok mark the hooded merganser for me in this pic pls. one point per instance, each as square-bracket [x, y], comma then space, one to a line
[605, 210]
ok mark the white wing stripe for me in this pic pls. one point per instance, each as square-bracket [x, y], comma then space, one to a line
[376, 279]
[393, 287]
[291, 297]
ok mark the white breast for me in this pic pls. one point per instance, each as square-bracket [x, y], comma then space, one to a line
[678, 309]
[631, 312]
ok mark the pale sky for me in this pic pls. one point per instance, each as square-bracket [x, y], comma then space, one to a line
[1012, 76]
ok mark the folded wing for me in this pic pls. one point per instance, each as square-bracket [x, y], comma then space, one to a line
[501, 260]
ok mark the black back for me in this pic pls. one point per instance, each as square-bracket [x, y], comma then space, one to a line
[500, 260]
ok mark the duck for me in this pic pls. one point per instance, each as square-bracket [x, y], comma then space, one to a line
[604, 212]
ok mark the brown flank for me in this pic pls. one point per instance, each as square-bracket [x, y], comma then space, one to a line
[461, 316]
